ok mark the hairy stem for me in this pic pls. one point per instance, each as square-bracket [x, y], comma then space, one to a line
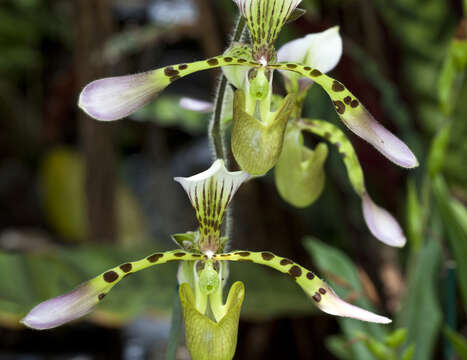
[215, 130]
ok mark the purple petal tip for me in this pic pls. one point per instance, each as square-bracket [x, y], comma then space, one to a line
[381, 223]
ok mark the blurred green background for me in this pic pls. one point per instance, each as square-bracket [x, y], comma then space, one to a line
[78, 196]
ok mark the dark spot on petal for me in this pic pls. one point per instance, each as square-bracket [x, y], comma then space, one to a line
[126, 267]
[286, 262]
[340, 106]
[196, 255]
[228, 59]
[213, 62]
[267, 255]
[354, 103]
[110, 276]
[291, 66]
[101, 296]
[347, 100]
[316, 72]
[243, 253]
[182, 67]
[337, 86]
[170, 71]
[310, 275]
[316, 297]
[322, 291]
[307, 68]
[295, 271]
[241, 61]
[179, 254]
[153, 258]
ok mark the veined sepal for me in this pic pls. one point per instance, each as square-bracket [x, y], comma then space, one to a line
[207, 339]
[299, 173]
[265, 20]
[82, 300]
[381, 223]
[256, 145]
[210, 193]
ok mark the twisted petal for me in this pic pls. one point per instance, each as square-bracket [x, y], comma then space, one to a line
[210, 193]
[196, 105]
[265, 19]
[356, 117]
[381, 224]
[116, 97]
[320, 292]
[321, 50]
[84, 298]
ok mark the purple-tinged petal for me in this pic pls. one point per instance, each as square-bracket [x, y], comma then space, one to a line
[114, 98]
[62, 309]
[195, 105]
[334, 305]
[381, 223]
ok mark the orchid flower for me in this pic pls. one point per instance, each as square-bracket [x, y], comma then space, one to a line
[117, 97]
[202, 273]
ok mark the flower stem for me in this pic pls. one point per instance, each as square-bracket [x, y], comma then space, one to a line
[215, 129]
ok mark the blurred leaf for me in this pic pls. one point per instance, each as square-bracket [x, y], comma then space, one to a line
[396, 338]
[63, 198]
[408, 353]
[458, 341]
[454, 217]
[438, 149]
[377, 348]
[337, 345]
[414, 217]
[166, 111]
[336, 265]
[420, 312]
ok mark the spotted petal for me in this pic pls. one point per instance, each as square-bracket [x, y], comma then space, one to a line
[380, 222]
[356, 117]
[117, 97]
[79, 302]
[320, 292]
[265, 19]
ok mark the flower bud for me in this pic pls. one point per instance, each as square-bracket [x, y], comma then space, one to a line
[299, 173]
[257, 145]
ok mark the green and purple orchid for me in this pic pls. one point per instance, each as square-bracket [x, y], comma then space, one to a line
[266, 133]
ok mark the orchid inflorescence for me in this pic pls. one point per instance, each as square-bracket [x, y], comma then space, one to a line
[266, 133]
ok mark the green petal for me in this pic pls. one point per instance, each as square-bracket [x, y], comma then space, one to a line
[355, 116]
[320, 292]
[206, 339]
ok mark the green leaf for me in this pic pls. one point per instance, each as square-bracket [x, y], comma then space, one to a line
[335, 264]
[396, 338]
[458, 341]
[408, 353]
[337, 345]
[414, 217]
[421, 313]
[438, 150]
[454, 218]
[377, 348]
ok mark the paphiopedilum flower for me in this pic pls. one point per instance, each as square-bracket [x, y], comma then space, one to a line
[210, 193]
[116, 97]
